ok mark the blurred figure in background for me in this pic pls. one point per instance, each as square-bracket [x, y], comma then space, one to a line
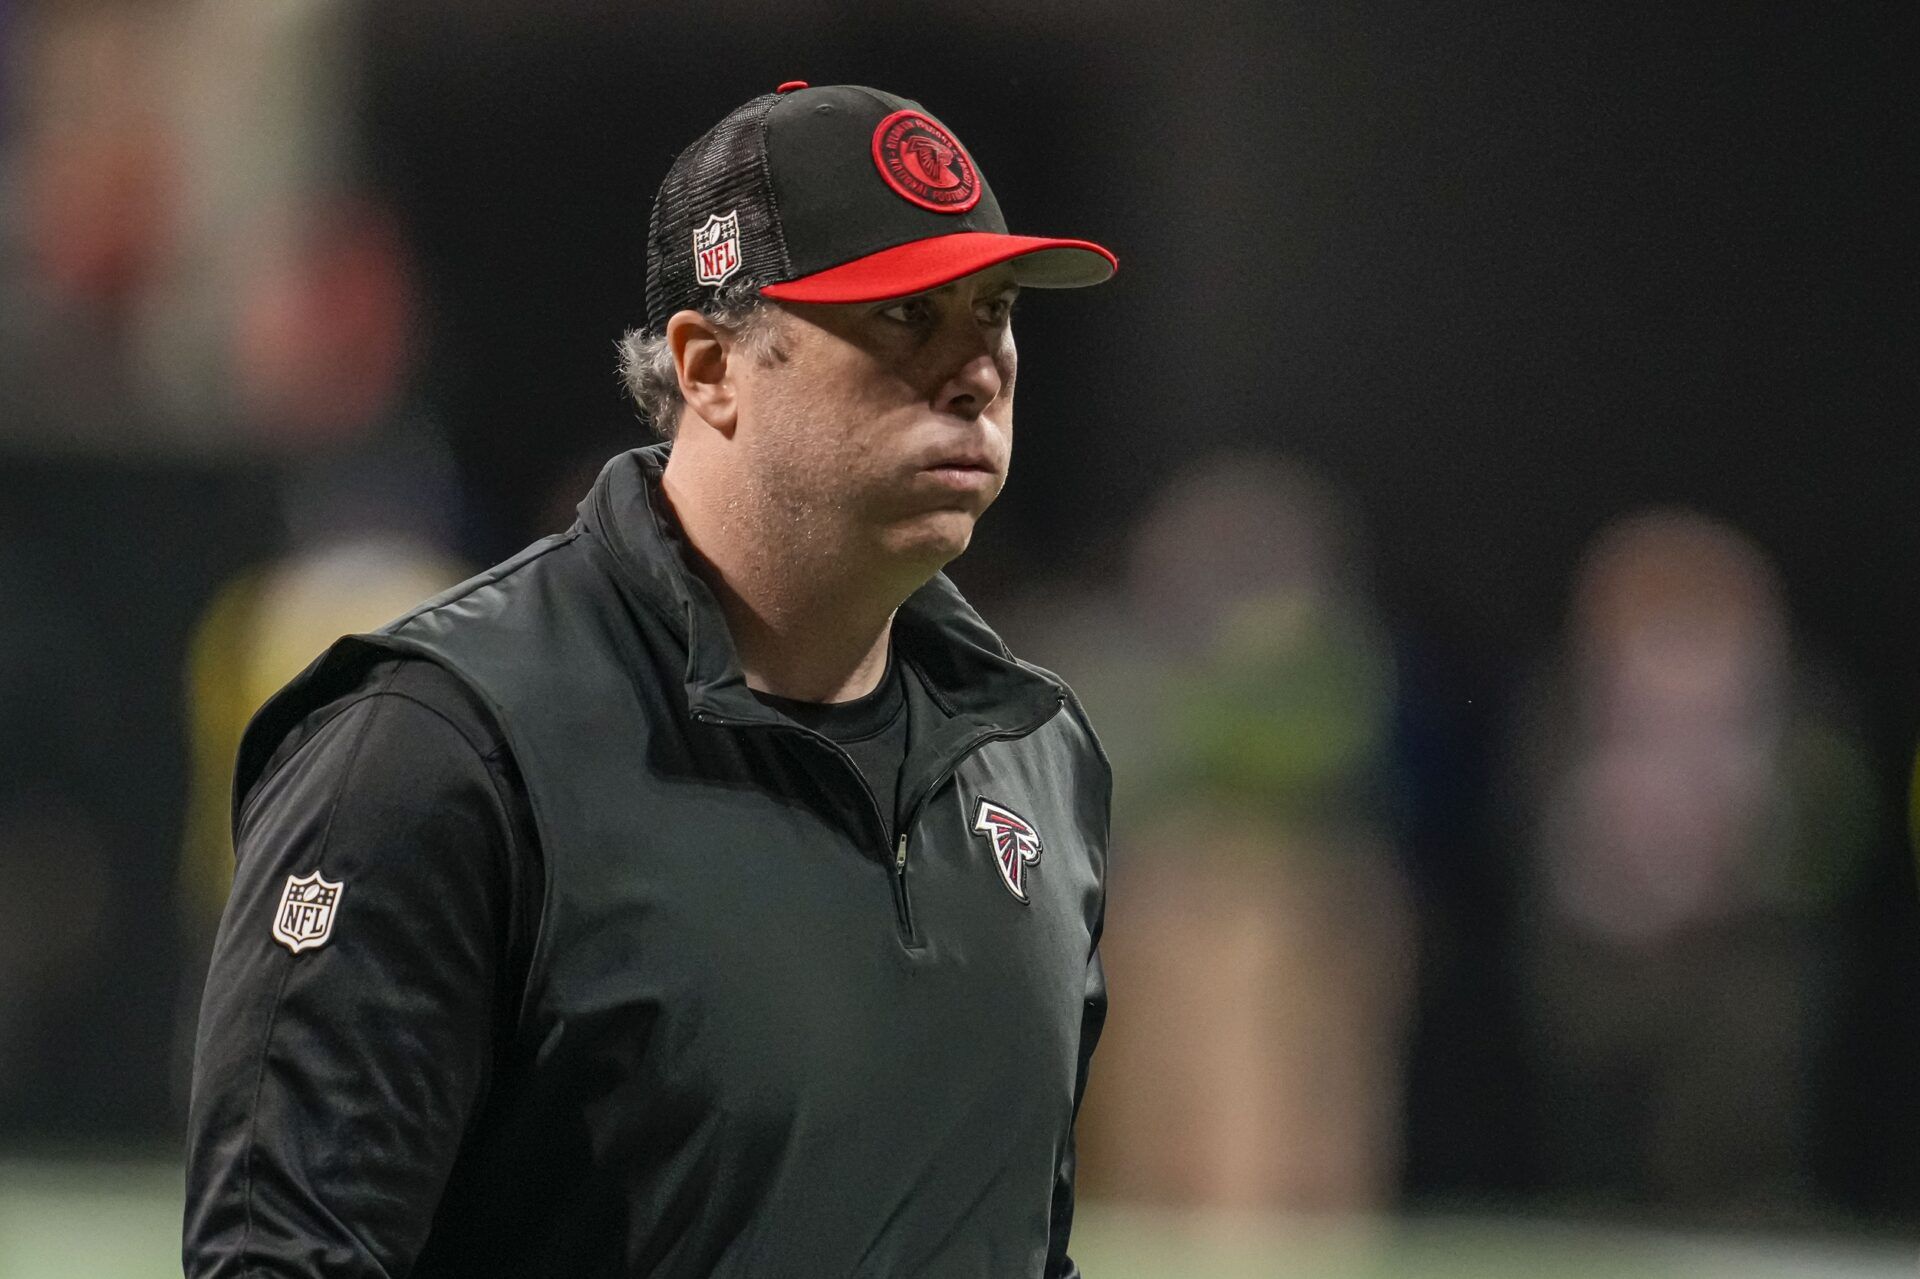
[212, 420]
[323, 352]
[262, 630]
[1260, 925]
[1694, 812]
[89, 176]
[298, 322]
[89, 180]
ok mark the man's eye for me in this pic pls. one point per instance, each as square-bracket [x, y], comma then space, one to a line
[914, 311]
[996, 311]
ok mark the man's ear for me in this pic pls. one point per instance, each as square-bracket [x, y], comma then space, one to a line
[703, 359]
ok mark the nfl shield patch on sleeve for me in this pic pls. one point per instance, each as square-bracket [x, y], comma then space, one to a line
[308, 905]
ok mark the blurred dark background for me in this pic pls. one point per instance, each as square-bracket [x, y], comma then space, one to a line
[1554, 362]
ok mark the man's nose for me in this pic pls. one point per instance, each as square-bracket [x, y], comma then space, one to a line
[977, 381]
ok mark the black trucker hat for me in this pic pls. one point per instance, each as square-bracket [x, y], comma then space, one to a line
[836, 194]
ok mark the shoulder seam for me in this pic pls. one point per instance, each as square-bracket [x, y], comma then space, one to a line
[1078, 711]
[253, 795]
[489, 753]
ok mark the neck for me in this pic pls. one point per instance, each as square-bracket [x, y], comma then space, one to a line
[809, 621]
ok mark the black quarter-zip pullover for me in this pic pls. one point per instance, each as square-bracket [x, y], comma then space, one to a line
[553, 950]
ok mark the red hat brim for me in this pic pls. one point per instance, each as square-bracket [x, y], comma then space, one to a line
[920, 265]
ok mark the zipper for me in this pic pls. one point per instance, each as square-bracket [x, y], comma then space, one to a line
[902, 908]
[940, 779]
[902, 903]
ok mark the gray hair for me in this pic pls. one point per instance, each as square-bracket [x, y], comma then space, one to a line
[646, 361]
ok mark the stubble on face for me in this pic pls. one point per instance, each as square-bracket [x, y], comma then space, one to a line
[842, 420]
[791, 491]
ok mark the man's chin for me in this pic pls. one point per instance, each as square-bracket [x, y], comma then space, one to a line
[929, 541]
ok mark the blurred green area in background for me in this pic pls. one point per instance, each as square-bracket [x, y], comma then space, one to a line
[122, 1221]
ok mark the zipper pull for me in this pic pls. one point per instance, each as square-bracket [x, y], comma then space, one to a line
[900, 855]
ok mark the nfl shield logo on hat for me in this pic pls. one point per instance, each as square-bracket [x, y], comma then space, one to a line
[307, 907]
[716, 248]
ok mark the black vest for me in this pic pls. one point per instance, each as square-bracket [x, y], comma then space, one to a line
[761, 1032]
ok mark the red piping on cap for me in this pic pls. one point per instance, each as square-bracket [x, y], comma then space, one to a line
[789, 86]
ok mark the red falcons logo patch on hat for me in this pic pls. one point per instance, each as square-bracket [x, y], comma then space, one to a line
[1016, 844]
[924, 163]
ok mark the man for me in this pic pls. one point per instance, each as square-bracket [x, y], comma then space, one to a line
[705, 889]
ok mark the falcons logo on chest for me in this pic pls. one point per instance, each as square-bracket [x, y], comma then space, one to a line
[1016, 844]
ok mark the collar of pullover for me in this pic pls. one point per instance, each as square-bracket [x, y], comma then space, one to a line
[962, 662]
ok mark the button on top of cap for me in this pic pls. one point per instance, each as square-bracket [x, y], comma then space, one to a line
[791, 85]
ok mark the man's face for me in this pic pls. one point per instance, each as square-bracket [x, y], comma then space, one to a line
[886, 426]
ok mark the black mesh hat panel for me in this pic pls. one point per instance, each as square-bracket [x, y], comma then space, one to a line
[723, 173]
[834, 205]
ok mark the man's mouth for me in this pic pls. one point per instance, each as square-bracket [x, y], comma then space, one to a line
[969, 471]
[962, 462]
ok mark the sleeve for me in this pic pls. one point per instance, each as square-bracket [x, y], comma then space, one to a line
[1093, 1014]
[344, 1043]
[1093, 1018]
